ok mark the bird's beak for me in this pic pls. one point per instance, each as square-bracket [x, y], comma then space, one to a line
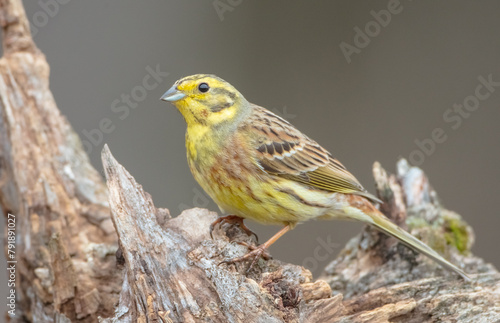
[172, 95]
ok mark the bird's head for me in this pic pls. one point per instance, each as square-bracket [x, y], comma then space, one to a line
[205, 99]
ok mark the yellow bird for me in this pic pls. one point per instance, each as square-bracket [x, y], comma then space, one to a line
[256, 165]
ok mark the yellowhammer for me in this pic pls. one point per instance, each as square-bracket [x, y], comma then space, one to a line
[256, 165]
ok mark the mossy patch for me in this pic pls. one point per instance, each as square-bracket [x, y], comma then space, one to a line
[431, 234]
[415, 222]
[456, 233]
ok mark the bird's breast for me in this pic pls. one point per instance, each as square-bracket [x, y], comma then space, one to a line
[235, 182]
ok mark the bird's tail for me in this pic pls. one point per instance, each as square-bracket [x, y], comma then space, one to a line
[386, 226]
[375, 218]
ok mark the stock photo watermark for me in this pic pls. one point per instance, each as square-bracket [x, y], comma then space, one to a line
[48, 10]
[223, 6]
[321, 253]
[284, 113]
[11, 264]
[454, 117]
[122, 107]
[363, 37]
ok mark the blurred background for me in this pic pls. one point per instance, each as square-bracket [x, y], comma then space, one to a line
[370, 81]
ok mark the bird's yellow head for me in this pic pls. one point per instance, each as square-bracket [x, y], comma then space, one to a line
[206, 100]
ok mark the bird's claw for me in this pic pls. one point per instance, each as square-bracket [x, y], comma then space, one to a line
[234, 220]
[255, 253]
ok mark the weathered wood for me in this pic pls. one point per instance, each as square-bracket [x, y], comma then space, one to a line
[173, 267]
[174, 271]
[374, 272]
[65, 239]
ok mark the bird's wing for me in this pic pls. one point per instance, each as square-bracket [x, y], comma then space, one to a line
[284, 151]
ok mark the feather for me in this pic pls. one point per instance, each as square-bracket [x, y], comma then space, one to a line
[292, 155]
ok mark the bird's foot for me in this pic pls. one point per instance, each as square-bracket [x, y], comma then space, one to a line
[234, 219]
[255, 253]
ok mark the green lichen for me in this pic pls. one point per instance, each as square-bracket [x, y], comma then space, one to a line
[439, 243]
[429, 233]
[415, 222]
[456, 234]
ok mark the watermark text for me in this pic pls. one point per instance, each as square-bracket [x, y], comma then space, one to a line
[11, 264]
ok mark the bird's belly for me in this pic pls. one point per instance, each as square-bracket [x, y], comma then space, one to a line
[262, 197]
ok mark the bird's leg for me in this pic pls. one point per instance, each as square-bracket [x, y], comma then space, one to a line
[234, 219]
[260, 251]
[264, 254]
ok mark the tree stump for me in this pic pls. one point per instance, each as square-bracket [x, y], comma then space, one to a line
[64, 238]
[80, 258]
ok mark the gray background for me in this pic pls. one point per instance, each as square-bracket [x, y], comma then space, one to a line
[286, 56]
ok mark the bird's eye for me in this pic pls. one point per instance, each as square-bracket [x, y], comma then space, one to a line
[203, 87]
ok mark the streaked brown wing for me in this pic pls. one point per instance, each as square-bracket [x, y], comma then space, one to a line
[284, 151]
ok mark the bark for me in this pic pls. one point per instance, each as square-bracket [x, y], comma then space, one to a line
[65, 240]
[69, 266]
[174, 270]
[374, 272]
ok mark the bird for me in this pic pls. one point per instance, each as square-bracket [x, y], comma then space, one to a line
[256, 165]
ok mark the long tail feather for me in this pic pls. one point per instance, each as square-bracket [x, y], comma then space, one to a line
[385, 225]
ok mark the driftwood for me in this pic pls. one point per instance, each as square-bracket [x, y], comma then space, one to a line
[82, 259]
